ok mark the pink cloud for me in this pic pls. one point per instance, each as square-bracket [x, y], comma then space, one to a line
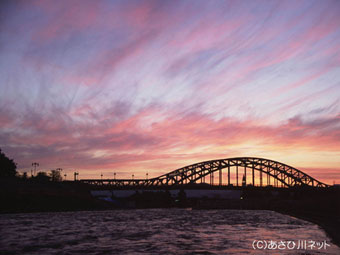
[304, 80]
[208, 34]
[301, 99]
[77, 16]
[6, 119]
[167, 143]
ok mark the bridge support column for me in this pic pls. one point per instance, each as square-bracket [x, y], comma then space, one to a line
[220, 176]
[245, 175]
[236, 175]
[253, 174]
[212, 178]
[268, 178]
[228, 175]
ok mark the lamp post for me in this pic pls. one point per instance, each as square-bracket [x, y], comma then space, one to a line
[57, 176]
[59, 170]
[147, 175]
[75, 176]
[35, 164]
[114, 176]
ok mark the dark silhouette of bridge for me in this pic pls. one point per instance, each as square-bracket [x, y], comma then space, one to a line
[239, 171]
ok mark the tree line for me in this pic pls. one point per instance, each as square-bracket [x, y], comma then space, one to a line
[8, 170]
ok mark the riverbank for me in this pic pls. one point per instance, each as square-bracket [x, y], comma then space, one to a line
[18, 196]
[329, 223]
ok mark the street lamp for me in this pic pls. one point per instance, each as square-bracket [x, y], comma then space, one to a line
[35, 164]
[114, 176]
[75, 176]
[147, 175]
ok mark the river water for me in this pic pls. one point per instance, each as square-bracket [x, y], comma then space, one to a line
[160, 231]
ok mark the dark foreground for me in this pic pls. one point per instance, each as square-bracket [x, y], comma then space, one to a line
[321, 207]
[160, 231]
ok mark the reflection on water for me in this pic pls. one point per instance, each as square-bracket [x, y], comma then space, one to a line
[154, 231]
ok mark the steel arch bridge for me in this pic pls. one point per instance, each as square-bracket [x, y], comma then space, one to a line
[269, 173]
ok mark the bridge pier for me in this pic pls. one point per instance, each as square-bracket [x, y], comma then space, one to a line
[228, 174]
[268, 178]
[220, 176]
[253, 173]
[275, 180]
[237, 175]
[245, 175]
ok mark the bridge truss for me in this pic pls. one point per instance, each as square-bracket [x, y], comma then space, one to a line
[240, 171]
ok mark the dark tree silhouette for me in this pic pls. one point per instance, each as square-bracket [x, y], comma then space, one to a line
[8, 168]
[24, 176]
[42, 177]
[56, 176]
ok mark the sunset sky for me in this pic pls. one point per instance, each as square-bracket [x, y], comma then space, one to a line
[150, 86]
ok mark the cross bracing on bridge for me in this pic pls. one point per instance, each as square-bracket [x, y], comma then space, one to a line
[240, 171]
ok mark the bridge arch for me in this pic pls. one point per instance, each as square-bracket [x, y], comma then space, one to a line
[268, 171]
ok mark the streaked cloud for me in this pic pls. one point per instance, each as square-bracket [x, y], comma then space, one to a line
[136, 85]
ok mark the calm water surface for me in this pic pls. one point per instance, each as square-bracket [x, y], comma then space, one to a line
[154, 231]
